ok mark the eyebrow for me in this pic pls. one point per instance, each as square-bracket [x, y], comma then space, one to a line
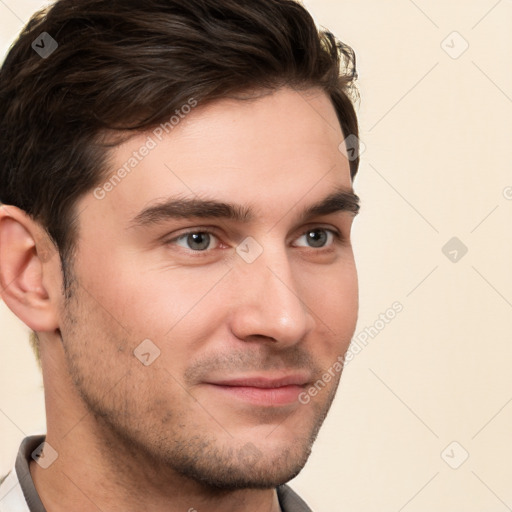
[341, 200]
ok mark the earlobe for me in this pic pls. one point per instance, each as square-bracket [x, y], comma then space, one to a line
[22, 262]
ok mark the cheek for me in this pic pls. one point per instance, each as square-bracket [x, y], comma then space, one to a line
[154, 300]
[169, 303]
[332, 293]
[333, 298]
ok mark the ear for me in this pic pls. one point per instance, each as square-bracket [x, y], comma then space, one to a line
[25, 253]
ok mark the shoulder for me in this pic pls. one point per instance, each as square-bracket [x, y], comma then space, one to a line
[11, 495]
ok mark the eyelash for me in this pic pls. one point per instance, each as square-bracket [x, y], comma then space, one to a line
[338, 238]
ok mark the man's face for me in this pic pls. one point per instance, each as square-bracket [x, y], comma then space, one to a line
[232, 307]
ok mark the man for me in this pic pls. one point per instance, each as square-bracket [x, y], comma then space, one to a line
[176, 180]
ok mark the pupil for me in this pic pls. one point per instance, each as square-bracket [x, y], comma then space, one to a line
[199, 239]
[317, 238]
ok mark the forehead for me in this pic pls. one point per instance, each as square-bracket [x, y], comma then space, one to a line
[271, 152]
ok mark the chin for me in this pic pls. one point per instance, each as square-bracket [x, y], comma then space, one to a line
[245, 467]
[248, 458]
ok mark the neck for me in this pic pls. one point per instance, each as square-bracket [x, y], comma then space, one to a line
[86, 477]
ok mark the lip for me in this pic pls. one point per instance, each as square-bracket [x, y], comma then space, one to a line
[265, 382]
[263, 390]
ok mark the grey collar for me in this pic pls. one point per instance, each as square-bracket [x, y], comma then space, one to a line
[28, 445]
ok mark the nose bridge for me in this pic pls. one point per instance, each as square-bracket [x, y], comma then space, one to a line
[269, 303]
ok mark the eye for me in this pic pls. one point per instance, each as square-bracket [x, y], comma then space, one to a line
[318, 237]
[203, 240]
[197, 241]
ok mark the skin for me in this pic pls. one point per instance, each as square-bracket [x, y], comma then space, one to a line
[174, 442]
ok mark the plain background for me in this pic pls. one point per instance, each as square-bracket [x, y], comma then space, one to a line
[434, 385]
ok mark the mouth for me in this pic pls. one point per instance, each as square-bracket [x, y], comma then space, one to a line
[263, 390]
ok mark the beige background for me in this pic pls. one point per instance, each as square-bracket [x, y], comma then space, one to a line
[438, 136]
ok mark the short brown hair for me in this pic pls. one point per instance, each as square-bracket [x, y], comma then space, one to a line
[128, 65]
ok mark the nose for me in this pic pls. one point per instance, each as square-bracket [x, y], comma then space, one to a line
[268, 302]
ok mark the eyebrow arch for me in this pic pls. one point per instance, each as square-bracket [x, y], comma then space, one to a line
[342, 199]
